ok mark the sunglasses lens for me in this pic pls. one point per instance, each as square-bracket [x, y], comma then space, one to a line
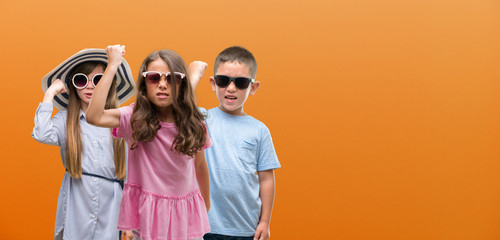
[153, 78]
[241, 82]
[222, 81]
[80, 81]
[96, 79]
[177, 77]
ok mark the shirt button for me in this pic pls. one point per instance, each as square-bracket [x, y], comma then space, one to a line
[94, 198]
[95, 179]
[94, 142]
[93, 216]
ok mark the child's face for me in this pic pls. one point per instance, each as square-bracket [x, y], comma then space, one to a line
[231, 98]
[159, 94]
[86, 93]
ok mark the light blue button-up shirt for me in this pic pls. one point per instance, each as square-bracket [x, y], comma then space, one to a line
[87, 207]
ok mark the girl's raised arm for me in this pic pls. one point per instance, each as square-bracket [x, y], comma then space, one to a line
[96, 114]
[47, 130]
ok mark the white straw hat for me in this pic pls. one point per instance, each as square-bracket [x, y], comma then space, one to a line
[125, 83]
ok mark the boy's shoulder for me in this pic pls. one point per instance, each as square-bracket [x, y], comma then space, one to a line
[217, 112]
[243, 124]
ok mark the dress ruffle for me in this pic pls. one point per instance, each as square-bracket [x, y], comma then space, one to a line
[163, 217]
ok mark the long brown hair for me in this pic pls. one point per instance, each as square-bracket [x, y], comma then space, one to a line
[73, 140]
[144, 121]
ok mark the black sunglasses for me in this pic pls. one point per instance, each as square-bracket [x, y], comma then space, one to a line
[240, 82]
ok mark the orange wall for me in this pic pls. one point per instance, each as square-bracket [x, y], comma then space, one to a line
[385, 114]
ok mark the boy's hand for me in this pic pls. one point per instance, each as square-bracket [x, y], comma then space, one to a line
[196, 71]
[115, 54]
[262, 232]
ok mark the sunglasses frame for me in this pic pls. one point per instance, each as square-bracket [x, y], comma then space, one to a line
[87, 83]
[233, 79]
[168, 80]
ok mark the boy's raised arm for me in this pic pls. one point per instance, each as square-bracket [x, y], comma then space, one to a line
[196, 70]
[96, 114]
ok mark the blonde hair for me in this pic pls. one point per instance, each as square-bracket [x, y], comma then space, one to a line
[74, 147]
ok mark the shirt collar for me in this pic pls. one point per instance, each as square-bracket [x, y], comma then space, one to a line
[82, 114]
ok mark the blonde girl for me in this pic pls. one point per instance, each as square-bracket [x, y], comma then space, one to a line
[95, 164]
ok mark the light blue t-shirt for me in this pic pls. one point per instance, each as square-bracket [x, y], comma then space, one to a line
[241, 147]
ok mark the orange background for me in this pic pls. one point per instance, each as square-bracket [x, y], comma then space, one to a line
[384, 114]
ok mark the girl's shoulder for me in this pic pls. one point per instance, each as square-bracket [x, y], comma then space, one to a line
[127, 110]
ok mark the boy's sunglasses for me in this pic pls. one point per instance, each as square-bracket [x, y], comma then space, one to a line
[81, 80]
[240, 82]
[153, 77]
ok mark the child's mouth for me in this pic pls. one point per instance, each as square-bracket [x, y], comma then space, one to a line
[162, 95]
[230, 99]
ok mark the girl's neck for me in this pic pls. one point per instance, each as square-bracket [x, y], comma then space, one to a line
[84, 106]
[165, 115]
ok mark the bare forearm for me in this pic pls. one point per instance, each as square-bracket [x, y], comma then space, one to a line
[267, 191]
[48, 97]
[267, 187]
[96, 107]
[96, 114]
[202, 177]
[196, 71]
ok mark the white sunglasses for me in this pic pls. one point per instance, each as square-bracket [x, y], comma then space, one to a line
[81, 80]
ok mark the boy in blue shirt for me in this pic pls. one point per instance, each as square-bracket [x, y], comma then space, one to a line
[242, 158]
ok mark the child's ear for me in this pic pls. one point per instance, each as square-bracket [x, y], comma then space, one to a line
[254, 87]
[212, 83]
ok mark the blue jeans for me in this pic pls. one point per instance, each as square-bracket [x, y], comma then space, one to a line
[210, 236]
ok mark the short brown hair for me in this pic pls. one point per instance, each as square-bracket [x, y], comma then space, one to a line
[239, 54]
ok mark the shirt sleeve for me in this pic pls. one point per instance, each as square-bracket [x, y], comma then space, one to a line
[267, 155]
[47, 130]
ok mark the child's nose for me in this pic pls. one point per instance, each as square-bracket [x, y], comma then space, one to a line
[231, 87]
[90, 85]
[163, 82]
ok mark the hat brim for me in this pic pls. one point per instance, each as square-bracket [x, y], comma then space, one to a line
[125, 83]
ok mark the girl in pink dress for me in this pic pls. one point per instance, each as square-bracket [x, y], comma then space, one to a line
[167, 193]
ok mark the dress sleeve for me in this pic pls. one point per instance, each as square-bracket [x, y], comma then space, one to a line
[124, 130]
[208, 141]
[47, 130]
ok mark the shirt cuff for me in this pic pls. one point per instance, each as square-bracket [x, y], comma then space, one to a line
[45, 107]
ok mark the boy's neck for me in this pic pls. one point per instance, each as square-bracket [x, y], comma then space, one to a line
[238, 112]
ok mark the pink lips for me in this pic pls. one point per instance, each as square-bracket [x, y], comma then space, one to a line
[162, 95]
[89, 95]
[230, 98]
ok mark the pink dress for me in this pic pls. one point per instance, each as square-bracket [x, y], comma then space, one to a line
[161, 198]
